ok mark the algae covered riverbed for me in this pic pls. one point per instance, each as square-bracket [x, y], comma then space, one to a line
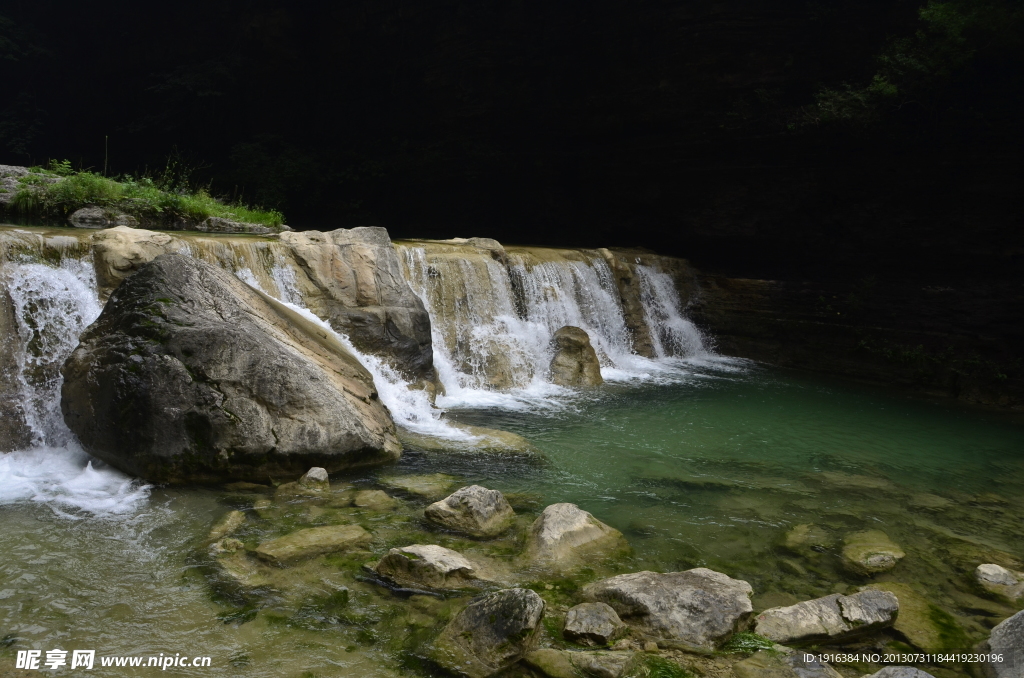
[712, 463]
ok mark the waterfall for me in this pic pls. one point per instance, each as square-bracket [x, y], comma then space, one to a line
[53, 304]
[492, 321]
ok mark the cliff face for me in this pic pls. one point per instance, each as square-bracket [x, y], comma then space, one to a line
[959, 342]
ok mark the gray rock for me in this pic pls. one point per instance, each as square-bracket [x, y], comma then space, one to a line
[190, 375]
[312, 542]
[603, 664]
[575, 361]
[100, 217]
[358, 287]
[551, 663]
[564, 534]
[833, 617]
[120, 251]
[375, 500]
[222, 225]
[900, 672]
[870, 552]
[315, 479]
[227, 525]
[472, 510]
[1001, 581]
[593, 624]
[490, 634]
[698, 608]
[429, 566]
[771, 665]
[428, 486]
[1006, 639]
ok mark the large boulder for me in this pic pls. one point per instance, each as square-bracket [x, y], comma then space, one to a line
[564, 534]
[698, 608]
[427, 565]
[490, 634]
[472, 510]
[870, 552]
[190, 375]
[832, 618]
[1006, 639]
[358, 287]
[575, 361]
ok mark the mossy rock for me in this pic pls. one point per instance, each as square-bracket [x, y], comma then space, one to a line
[925, 625]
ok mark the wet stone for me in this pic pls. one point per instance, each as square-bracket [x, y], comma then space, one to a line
[830, 618]
[375, 500]
[593, 624]
[472, 510]
[564, 534]
[870, 552]
[900, 672]
[315, 479]
[1000, 580]
[1006, 639]
[226, 525]
[764, 664]
[429, 486]
[428, 566]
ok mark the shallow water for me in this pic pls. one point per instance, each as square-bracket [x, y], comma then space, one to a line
[709, 464]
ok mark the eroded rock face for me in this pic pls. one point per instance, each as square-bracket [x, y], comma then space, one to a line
[189, 375]
[698, 608]
[312, 542]
[575, 362]
[358, 287]
[472, 510]
[490, 634]
[427, 565]
[118, 252]
[833, 617]
[563, 534]
[870, 552]
[1007, 639]
[593, 624]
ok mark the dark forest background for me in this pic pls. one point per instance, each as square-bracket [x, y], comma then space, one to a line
[821, 138]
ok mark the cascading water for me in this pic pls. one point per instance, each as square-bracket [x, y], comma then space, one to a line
[671, 333]
[52, 306]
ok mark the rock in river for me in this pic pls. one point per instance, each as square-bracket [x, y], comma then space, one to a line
[564, 534]
[593, 624]
[472, 510]
[831, 618]
[1001, 581]
[575, 362]
[870, 552]
[312, 542]
[1006, 639]
[698, 608]
[190, 375]
[490, 634]
[427, 565]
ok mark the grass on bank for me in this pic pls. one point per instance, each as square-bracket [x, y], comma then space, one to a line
[59, 191]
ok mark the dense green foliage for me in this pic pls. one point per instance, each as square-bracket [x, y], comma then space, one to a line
[945, 68]
[163, 198]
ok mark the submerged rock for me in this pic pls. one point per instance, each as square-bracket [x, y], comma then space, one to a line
[472, 510]
[1000, 580]
[563, 534]
[490, 634]
[575, 361]
[227, 525]
[900, 672]
[484, 440]
[870, 552]
[593, 624]
[100, 217]
[375, 500]
[925, 625]
[698, 608]
[833, 618]
[315, 479]
[764, 664]
[1006, 639]
[428, 486]
[312, 542]
[190, 375]
[807, 540]
[429, 566]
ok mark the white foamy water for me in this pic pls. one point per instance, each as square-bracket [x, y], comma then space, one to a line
[52, 306]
